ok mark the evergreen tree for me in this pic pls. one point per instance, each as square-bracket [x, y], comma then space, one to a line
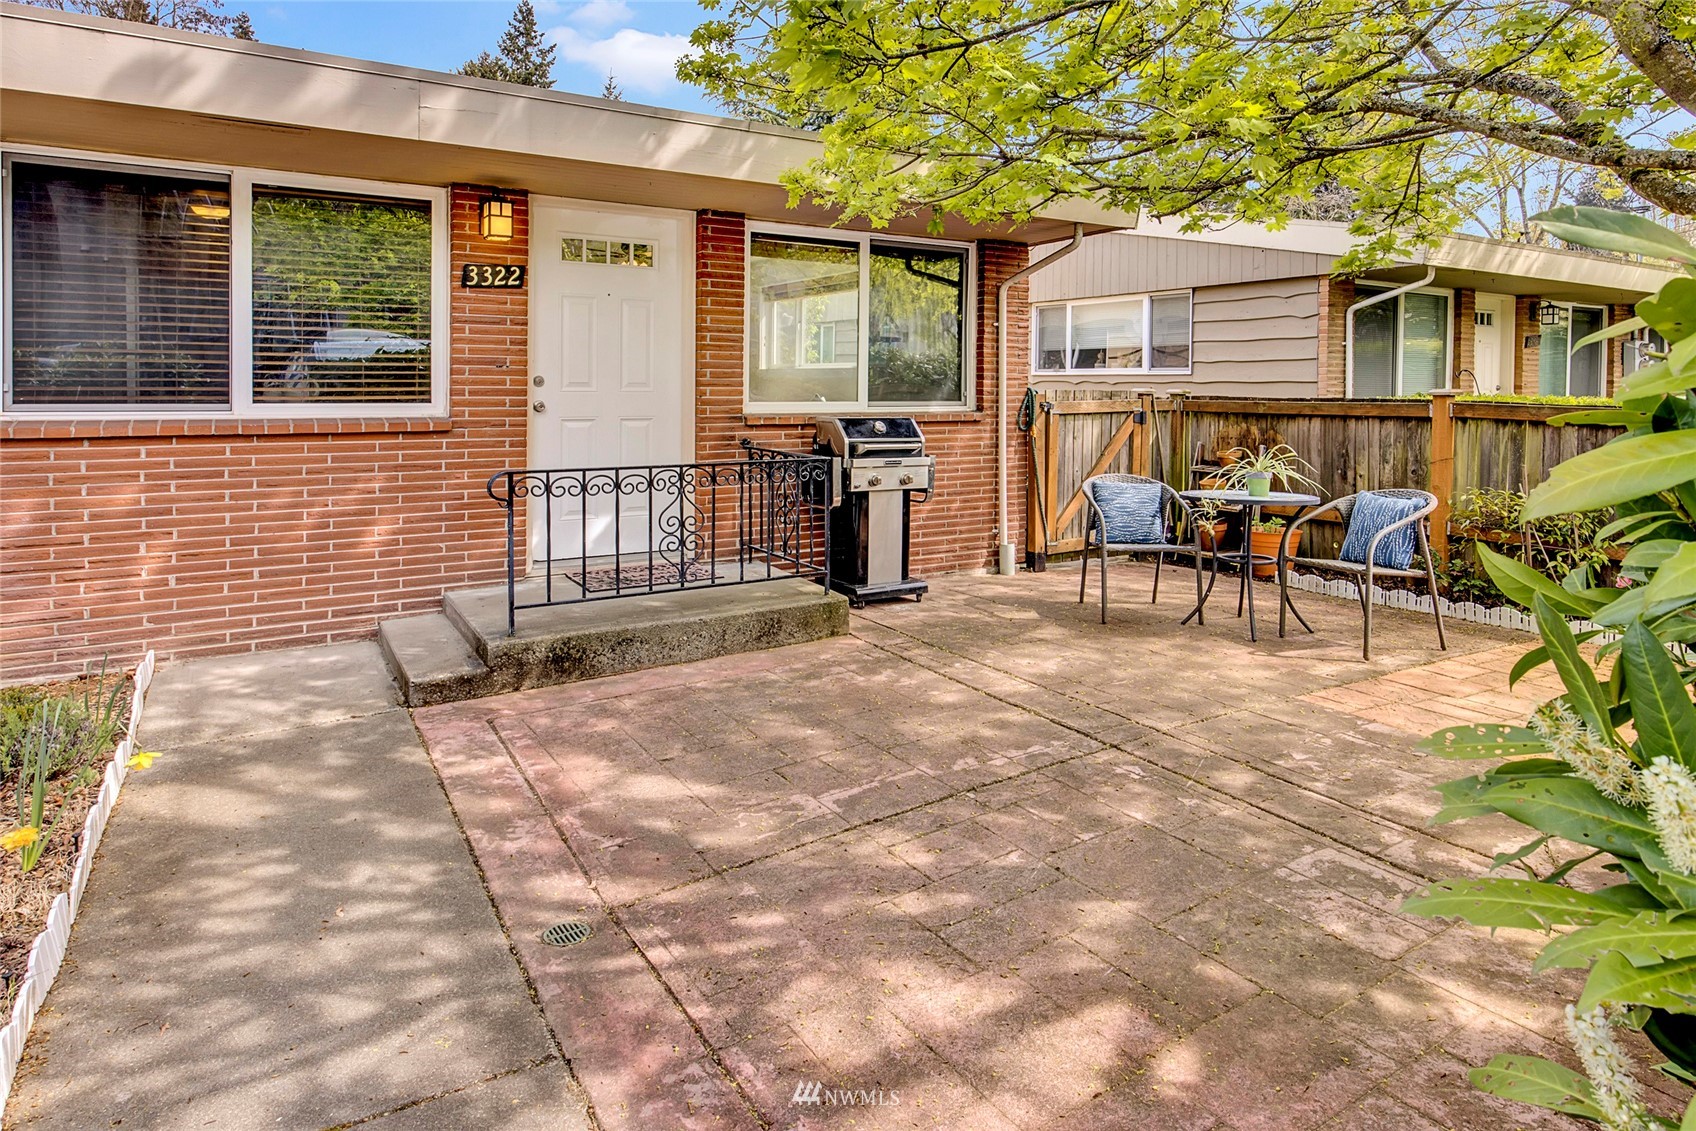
[524, 57]
[611, 91]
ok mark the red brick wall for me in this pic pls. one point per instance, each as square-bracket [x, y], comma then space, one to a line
[1464, 350]
[1526, 358]
[196, 537]
[951, 532]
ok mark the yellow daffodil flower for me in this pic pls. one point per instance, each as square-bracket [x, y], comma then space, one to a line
[20, 838]
[142, 759]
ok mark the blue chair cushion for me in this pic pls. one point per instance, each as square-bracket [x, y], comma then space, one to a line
[1372, 513]
[1131, 512]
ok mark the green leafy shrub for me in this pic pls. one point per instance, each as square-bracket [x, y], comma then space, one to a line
[1606, 771]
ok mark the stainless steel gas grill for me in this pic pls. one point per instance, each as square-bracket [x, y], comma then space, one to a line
[884, 472]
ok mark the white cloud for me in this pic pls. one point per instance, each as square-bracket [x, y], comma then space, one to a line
[641, 61]
[600, 13]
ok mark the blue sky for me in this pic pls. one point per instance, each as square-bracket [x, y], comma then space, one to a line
[636, 40]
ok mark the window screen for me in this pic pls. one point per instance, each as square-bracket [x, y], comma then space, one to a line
[918, 306]
[341, 298]
[1425, 342]
[1375, 348]
[799, 287]
[120, 287]
[1586, 376]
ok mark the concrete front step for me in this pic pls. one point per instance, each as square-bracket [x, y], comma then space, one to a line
[464, 651]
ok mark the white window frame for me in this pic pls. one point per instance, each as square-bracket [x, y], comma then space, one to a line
[1602, 347]
[1401, 324]
[1147, 298]
[242, 181]
[864, 240]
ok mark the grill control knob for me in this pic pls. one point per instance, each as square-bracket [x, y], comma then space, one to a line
[873, 481]
[906, 481]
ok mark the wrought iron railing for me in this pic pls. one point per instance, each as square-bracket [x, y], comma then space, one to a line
[599, 533]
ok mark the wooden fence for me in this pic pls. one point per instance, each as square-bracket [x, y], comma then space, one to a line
[1442, 445]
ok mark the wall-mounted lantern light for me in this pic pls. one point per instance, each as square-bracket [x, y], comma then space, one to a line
[1549, 314]
[494, 218]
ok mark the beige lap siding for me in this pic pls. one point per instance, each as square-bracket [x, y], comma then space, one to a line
[955, 529]
[197, 537]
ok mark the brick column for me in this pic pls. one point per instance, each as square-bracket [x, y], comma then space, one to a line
[1335, 297]
[1465, 338]
[721, 283]
[1616, 348]
[1526, 358]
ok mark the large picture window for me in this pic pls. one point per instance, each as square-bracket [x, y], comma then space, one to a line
[851, 321]
[120, 287]
[1131, 334]
[1401, 345]
[341, 298]
[196, 293]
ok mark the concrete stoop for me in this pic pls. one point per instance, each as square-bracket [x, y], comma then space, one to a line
[464, 652]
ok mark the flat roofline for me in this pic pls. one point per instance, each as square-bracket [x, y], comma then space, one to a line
[77, 81]
[151, 32]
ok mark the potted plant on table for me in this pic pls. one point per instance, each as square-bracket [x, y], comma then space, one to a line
[1257, 471]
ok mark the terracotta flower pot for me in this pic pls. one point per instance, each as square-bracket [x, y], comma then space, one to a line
[1210, 535]
[1266, 542]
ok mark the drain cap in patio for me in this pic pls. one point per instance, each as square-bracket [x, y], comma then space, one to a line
[569, 933]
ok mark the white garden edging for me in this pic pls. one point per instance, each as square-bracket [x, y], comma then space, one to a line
[1504, 616]
[48, 952]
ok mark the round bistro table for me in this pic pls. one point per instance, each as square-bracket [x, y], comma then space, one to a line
[1244, 558]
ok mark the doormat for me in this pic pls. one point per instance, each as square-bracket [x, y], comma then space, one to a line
[659, 575]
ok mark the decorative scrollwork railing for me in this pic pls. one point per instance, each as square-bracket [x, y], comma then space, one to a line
[599, 533]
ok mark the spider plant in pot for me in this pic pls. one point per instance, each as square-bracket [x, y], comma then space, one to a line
[1264, 538]
[1255, 472]
[1210, 527]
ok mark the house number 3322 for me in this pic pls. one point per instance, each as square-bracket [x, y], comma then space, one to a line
[491, 275]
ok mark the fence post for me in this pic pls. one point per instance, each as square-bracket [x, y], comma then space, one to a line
[1175, 462]
[1442, 468]
[1142, 462]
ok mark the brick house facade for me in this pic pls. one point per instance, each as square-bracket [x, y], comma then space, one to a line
[199, 537]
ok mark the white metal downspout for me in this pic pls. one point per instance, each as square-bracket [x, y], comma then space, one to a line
[1005, 561]
[1348, 324]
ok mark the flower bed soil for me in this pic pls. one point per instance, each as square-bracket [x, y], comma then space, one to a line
[26, 898]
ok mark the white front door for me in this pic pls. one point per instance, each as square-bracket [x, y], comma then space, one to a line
[1492, 335]
[610, 327]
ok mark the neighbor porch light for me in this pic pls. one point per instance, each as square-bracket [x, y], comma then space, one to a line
[1548, 314]
[494, 219]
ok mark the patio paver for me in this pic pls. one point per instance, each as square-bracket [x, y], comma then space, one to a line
[1019, 868]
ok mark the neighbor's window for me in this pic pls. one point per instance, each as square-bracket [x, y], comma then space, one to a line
[121, 291]
[1401, 345]
[1133, 334]
[120, 285]
[855, 322]
[1563, 371]
[341, 298]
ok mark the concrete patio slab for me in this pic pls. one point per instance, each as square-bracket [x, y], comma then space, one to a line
[1015, 867]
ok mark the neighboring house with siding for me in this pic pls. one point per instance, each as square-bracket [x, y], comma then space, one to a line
[274, 317]
[1245, 311]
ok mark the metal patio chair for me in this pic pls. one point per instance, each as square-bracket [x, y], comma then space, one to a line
[1174, 511]
[1362, 573]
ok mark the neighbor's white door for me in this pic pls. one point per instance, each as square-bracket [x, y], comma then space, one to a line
[1492, 338]
[609, 327]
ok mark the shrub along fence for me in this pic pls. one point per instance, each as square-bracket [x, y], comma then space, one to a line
[1446, 446]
